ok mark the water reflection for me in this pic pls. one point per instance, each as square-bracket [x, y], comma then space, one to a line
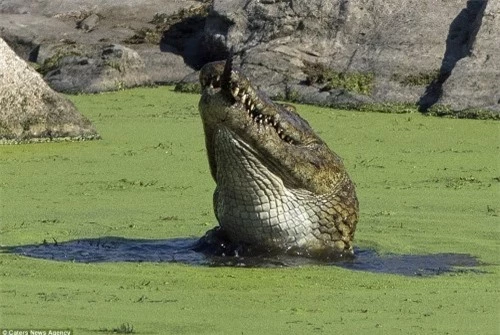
[117, 249]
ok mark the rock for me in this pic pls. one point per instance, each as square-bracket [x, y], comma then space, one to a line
[404, 49]
[30, 110]
[74, 68]
[474, 82]
[163, 67]
[89, 23]
[30, 25]
[372, 52]
[115, 11]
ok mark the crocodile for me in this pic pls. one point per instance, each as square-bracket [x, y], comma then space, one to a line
[279, 187]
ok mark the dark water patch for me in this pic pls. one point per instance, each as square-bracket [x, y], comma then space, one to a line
[114, 249]
[413, 265]
[181, 250]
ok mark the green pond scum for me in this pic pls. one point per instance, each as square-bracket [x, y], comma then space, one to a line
[426, 186]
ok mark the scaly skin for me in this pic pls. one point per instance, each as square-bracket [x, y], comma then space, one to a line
[279, 186]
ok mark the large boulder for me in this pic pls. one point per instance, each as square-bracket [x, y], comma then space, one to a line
[77, 68]
[474, 83]
[356, 53]
[376, 54]
[88, 27]
[30, 110]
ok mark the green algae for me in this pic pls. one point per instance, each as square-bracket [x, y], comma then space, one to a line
[353, 81]
[426, 185]
[187, 87]
[61, 52]
[417, 79]
[468, 113]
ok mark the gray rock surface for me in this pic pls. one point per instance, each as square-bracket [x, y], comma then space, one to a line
[76, 68]
[404, 45]
[475, 80]
[89, 23]
[371, 52]
[29, 26]
[30, 110]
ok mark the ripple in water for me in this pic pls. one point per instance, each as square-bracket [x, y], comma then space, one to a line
[180, 250]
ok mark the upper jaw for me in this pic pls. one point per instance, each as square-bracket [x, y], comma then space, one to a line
[236, 91]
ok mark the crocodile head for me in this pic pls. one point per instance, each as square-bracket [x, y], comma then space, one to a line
[275, 133]
[278, 184]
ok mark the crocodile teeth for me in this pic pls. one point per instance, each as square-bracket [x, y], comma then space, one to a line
[236, 91]
[254, 112]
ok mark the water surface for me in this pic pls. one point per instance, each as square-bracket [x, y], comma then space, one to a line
[180, 250]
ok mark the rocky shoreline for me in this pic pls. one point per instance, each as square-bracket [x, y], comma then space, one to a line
[367, 55]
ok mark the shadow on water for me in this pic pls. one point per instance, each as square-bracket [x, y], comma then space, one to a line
[180, 250]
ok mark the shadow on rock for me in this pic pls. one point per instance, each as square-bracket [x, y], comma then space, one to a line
[181, 250]
[459, 42]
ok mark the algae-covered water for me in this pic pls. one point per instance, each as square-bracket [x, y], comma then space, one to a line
[88, 230]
